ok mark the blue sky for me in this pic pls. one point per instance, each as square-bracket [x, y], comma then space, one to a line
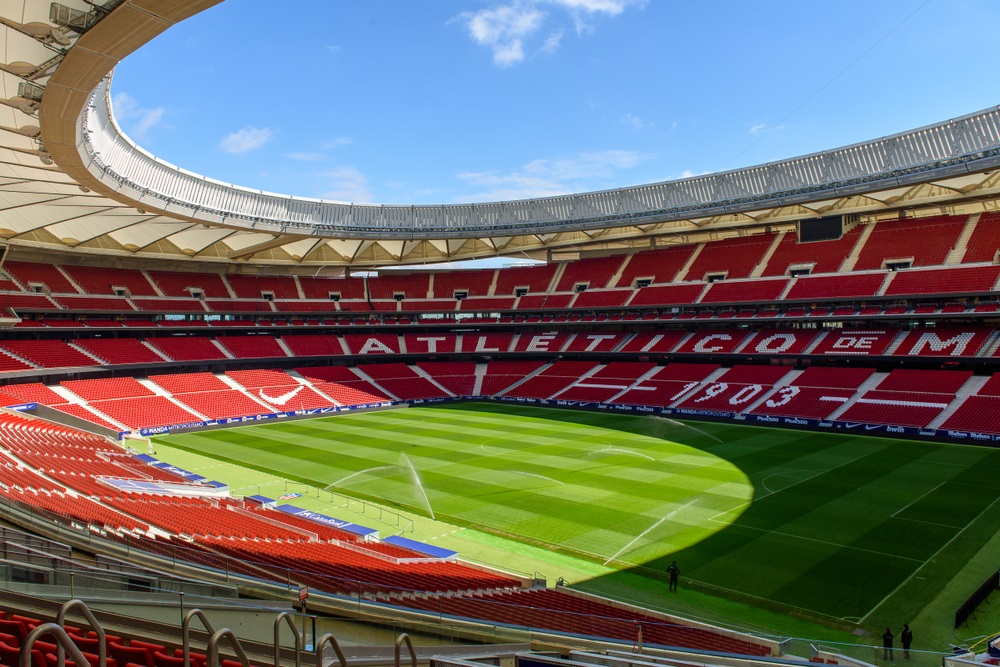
[451, 101]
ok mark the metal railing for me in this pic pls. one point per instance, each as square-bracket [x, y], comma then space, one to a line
[967, 144]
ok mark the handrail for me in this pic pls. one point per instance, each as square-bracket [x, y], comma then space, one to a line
[102, 642]
[186, 632]
[404, 638]
[328, 638]
[287, 617]
[62, 640]
[213, 647]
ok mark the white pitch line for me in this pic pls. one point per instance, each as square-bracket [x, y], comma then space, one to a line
[828, 543]
[911, 504]
[933, 556]
[802, 481]
[643, 533]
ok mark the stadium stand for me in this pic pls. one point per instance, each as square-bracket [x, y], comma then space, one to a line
[105, 280]
[187, 348]
[732, 258]
[817, 256]
[656, 266]
[924, 241]
[593, 272]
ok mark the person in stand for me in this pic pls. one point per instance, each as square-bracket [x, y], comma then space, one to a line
[887, 645]
[906, 638]
[674, 572]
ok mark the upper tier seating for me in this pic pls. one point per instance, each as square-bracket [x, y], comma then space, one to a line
[179, 283]
[612, 298]
[821, 256]
[963, 280]
[659, 266]
[985, 240]
[170, 305]
[726, 291]
[242, 306]
[255, 287]
[487, 303]
[390, 283]
[104, 280]
[594, 272]
[836, 286]
[28, 273]
[473, 283]
[533, 278]
[666, 295]
[549, 301]
[734, 257]
[108, 304]
[926, 240]
[322, 288]
[26, 302]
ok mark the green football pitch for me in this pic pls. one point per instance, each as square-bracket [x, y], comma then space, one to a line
[837, 529]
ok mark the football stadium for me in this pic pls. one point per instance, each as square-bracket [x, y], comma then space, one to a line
[736, 419]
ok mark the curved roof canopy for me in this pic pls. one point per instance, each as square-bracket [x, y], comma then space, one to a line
[70, 179]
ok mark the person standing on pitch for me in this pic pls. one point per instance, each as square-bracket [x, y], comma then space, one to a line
[906, 638]
[674, 572]
[887, 645]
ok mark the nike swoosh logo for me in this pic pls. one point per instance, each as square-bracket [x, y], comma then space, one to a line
[284, 398]
[872, 427]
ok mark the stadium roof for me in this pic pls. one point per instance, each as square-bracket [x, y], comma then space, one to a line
[70, 181]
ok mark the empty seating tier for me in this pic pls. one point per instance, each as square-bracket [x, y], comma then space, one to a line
[924, 242]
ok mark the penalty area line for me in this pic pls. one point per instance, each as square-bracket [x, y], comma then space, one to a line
[932, 557]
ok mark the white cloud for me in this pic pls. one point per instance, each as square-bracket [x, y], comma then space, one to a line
[245, 140]
[347, 184]
[548, 178]
[503, 29]
[612, 7]
[136, 119]
[758, 128]
[333, 48]
[552, 42]
[507, 29]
